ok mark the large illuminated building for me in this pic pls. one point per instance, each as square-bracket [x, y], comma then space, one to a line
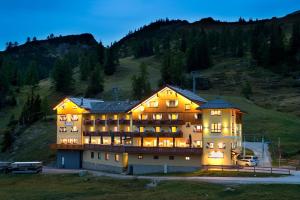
[172, 130]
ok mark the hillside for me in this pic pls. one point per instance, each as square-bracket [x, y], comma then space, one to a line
[258, 121]
[272, 107]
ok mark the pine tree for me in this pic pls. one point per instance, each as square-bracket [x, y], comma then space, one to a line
[62, 76]
[276, 47]
[32, 74]
[166, 68]
[294, 47]
[110, 61]
[84, 66]
[140, 84]
[95, 82]
[101, 53]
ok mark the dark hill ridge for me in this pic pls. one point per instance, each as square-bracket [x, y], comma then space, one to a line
[45, 52]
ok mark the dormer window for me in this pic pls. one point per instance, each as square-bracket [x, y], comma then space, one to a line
[153, 104]
[187, 107]
[172, 103]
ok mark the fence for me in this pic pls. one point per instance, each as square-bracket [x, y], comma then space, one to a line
[270, 170]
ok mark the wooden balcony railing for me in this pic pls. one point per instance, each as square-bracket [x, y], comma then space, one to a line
[158, 122]
[177, 134]
[131, 149]
[67, 146]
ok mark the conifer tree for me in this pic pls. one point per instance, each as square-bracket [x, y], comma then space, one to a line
[62, 76]
[32, 74]
[95, 82]
[140, 83]
[110, 62]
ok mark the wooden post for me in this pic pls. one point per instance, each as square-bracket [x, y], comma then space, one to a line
[157, 141]
[142, 141]
[173, 141]
[101, 139]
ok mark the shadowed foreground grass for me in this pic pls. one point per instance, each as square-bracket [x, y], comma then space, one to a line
[219, 173]
[74, 187]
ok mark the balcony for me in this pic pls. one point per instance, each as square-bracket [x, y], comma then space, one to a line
[131, 149]
[67, 146]
[177, 134]
[163, 150]
[158, 122]
[124, 121]
[100, 121]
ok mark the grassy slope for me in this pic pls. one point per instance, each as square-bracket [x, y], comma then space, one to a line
[257, 121]
[75, 187]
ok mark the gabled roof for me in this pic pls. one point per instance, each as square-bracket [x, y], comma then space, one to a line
[187, 93]
[112, 106]
[81, 102]
[217, 104]
[84, 102]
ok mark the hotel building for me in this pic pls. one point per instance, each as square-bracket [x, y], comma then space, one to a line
[173, 130]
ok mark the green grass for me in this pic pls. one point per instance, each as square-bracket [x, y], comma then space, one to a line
[219, 173]
[46, 187]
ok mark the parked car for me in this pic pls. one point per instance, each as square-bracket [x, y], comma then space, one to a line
[246, 162]
[5, 167]
[251, 157]
[26, 167]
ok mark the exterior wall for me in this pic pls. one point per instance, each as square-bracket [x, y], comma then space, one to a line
[163, 164]
[69, 159]
[230, 135]
[110, 165]
[67, 109]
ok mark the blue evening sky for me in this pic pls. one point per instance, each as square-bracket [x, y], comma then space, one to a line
[109, 20]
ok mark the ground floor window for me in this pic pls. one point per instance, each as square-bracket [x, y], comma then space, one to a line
[92, 155]
[155, 157]
[117, 157]
[106, 156]
[99, 156]
[216, 154]
[187, 158]
[140, 156]
[171, 157]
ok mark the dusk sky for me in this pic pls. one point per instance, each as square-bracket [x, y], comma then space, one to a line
[109, 20]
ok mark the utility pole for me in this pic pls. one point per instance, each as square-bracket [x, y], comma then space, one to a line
[279, 151]
[244, 145]
[194, 74]
[263, 149]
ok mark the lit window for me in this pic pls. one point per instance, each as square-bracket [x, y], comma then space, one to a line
[172, 103]
[106, 156]
[128, 129]
[142, 108]
[142, 129]
[103, 117]
[210, 145]
[174, 129]
[157, 129]
[187, 158]
[140, 157]
[74, 118]
[92, 128]
[199, 143]
[92, 155]
[187, 106]
[103, 128]
[117, 157]
[115, 117]
[127, 117]
[157, 116]
[99, 156]
[153, 104]
[216, 128]
[62, 118]
[215, 112]
[75, 107]
[215, 154]
[173, 116]
[74, 129]
[143, 117]
[62, 129]
[115, 129]
[198, 128]
[221, 145]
